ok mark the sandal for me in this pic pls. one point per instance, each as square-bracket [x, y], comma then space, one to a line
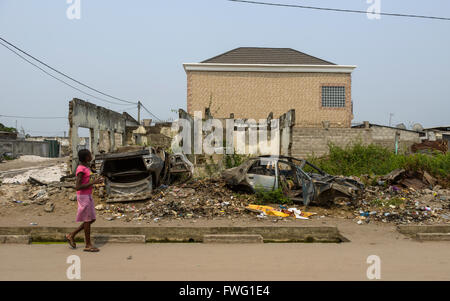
[91, 249]
[71, 242]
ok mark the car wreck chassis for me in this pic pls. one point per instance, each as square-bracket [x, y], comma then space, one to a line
[138, 172]
[300, 180]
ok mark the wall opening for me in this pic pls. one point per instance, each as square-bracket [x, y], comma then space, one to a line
[84, 139]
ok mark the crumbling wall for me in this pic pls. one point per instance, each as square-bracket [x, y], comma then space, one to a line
[105, 125]
[287, 122]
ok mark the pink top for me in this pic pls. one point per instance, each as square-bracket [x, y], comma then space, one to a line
[84, 179]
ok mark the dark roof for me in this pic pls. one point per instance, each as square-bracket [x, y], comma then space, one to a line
[256, 55]
[439, 128]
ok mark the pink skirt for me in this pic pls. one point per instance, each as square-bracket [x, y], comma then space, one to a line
[86, 208]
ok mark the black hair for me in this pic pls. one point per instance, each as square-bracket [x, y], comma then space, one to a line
[83, 155]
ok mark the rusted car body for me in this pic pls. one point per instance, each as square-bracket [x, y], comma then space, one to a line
[299, 180]
[136, 172]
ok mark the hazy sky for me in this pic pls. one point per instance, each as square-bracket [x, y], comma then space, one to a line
[135, 50]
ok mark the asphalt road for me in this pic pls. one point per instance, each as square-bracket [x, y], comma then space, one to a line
[400, 259]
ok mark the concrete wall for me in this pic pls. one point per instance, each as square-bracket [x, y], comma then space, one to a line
[22, 147]
[104, 126]
[64, 143]
[255, 94]
[314, 141]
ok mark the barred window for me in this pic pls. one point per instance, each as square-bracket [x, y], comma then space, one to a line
[333, 96]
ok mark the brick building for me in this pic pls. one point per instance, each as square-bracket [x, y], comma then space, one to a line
[251, 82]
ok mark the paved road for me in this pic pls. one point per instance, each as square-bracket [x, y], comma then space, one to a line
[401, 259]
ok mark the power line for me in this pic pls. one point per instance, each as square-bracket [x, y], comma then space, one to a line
[44, 132]
[58, 79]
[126, 109]
[150, 112]
[31, 117]
[340, 10]
[63, 74]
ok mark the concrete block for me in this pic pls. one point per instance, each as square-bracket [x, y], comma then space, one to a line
[433, 236]
[412, 230]
[232, 238]
[131, 239]
[15, 239]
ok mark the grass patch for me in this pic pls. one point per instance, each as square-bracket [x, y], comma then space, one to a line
[358, 159]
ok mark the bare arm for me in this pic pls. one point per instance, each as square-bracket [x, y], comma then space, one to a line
[79, 186]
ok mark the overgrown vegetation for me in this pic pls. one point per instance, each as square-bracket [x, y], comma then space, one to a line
[270, 197]
[211, 168]
[234, 160]
[358, 159]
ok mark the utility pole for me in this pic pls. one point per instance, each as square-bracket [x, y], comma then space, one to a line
[139, 112]
[390, 118]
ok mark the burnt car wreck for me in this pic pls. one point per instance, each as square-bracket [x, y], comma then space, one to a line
[298, 179]
[137, 173]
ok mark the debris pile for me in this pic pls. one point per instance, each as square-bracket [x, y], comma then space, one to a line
[430, 146]
[401, 197]
[194, 199]
[43, 174]
[404, 197]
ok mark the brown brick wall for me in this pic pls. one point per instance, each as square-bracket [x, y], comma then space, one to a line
[256, 94]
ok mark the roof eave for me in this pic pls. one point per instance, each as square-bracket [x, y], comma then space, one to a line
[269, 68]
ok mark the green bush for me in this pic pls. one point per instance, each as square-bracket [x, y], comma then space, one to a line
[271, 197]
[234, 160]
[373, 159]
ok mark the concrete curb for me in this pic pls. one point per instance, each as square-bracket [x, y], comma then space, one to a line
[412, 230]
[132, 239]
[433, 236]
[15, 239]
[232, 238]
[187, 234]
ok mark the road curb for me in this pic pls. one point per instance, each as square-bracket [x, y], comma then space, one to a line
[232, 238]
[412, 230]
[15, 239]
[433, 236]
[325, 234]
[104, 238]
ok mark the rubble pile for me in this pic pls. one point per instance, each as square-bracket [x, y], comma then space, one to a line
[403, 197]
[195, 199]
[44, 174]
[400, 197]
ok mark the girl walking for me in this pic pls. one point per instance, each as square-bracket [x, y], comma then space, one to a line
[86, 208]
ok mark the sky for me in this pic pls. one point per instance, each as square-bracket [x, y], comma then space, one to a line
[134, 50]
